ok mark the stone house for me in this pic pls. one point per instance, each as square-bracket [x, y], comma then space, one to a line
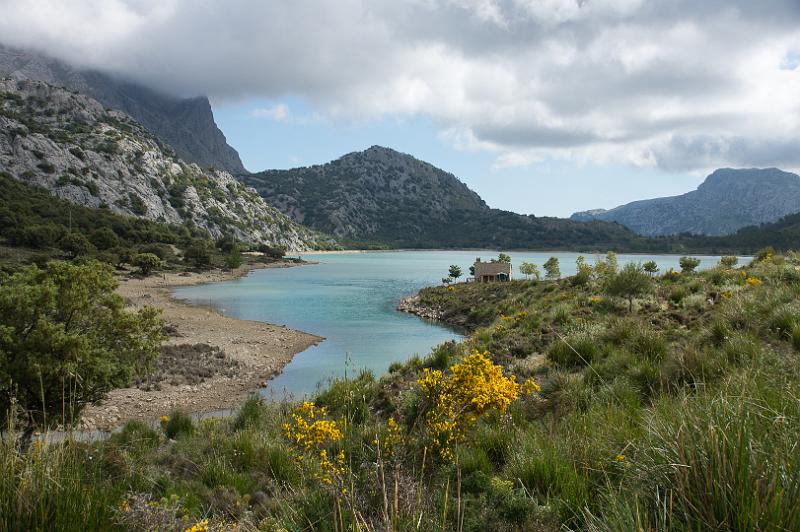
[488, 272]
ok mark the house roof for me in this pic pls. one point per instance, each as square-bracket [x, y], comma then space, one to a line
[492, 268]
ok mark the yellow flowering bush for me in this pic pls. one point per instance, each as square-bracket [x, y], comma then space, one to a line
[200, 526]
[753, 281]
[312, 432]
[595, 299]
[456, 401]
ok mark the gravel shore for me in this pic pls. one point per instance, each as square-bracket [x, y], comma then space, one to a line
[253, 353]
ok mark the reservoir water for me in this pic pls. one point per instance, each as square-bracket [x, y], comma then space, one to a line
[350, 299]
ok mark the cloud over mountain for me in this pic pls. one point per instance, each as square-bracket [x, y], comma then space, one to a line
[675, 84]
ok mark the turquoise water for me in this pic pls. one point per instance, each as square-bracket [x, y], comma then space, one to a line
[350, 299]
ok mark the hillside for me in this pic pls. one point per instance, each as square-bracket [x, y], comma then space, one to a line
[726, 201]
[381, 195]
[608, 401]
[71, 145]
[186, 124]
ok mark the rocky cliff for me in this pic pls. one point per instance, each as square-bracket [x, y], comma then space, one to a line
[186, 124]
[73, 146]
[727, 200]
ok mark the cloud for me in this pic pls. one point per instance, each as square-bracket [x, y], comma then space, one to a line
[674, 84]
[278, 112]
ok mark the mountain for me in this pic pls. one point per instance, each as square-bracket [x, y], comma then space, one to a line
[782, 235]
[80, 151]
[726, 201]
[186, 124]
[383, 196]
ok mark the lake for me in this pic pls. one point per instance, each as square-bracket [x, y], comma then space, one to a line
[350, 299]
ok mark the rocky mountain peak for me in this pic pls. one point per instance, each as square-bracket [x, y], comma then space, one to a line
[186, 124]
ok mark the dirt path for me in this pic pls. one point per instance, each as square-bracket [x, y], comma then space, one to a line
[254, 352]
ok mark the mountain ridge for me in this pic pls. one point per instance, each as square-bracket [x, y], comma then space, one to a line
[186, 124]
[728, 199]
[383, 195]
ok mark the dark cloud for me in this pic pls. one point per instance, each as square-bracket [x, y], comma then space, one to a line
[675, 83]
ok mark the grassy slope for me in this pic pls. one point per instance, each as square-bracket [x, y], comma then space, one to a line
[679, 415]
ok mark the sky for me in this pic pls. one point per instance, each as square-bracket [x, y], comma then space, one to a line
[541, 106]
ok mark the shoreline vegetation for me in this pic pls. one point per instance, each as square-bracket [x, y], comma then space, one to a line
[247, 353]
[620, 398]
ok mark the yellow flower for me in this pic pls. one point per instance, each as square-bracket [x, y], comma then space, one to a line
[506, 318]
[620, 458]
[529, 386]
[200, 526]
[595, 299]
[455, 402]
[164, 420]
[392, 439]
[451, 288]
[312, 433]
[123, 505]
[753, 281]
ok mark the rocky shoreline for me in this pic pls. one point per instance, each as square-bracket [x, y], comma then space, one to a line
[246, 353]
[413, 305]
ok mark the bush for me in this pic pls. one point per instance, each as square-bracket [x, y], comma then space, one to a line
[75, 244]
[273, 252]
[146, 262]
[688, 264]
[104, 238]
[576, 350]
[630, 282]
[179, 424]
[251, 414]
[234, 259]
[198, 254]
[67, 340]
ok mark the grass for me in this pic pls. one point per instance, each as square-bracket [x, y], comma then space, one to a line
[671, 416]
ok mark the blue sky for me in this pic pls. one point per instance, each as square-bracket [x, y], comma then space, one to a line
[289, 135]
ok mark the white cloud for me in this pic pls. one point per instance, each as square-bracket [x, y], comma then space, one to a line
[278, 112]
[676, 84]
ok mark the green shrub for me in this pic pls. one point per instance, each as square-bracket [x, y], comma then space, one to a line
[137, 437]
[67, 339]
[251, 414]
[574, 351]
[349, 398]
[179, 424]
[146, 262]
[688, 264]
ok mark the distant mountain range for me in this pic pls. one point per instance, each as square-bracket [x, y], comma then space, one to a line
[725, 202]
[383, 196]
[186, 124]
[80, 151]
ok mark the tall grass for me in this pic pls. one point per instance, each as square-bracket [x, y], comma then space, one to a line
[56, 487]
